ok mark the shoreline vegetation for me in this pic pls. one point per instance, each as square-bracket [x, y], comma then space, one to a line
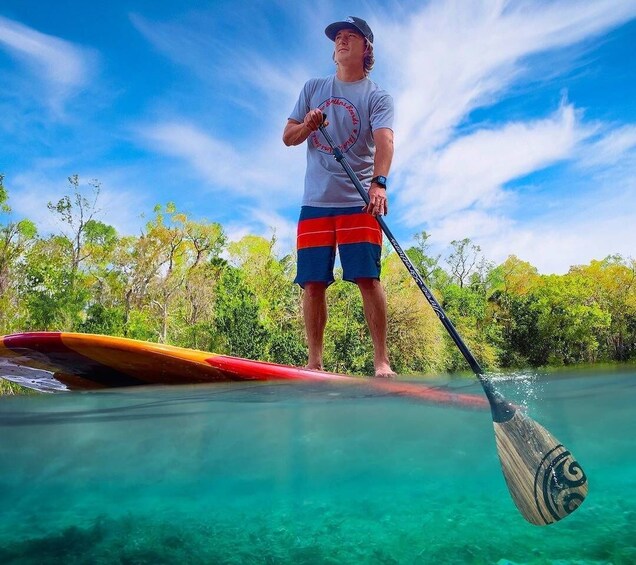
[181, 282]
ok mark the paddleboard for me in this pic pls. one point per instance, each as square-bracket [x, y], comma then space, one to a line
[88, 361]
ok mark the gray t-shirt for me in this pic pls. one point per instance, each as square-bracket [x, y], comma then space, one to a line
[354, 110]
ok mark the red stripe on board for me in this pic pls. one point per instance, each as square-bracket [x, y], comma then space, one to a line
[28, 338]
[260, 370]
[51, 347]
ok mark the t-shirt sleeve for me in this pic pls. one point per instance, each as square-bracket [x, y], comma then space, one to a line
[382, 112]
[302, 104]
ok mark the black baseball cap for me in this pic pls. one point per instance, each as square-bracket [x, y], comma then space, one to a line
[349, 22]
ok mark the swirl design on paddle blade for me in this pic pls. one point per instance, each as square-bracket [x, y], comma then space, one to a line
[560, 485]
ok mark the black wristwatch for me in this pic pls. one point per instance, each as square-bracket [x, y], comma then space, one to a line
[380, 181]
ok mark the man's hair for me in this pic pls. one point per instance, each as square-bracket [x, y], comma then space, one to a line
[369, 59]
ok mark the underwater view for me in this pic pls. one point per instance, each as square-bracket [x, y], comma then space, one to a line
[320, 472]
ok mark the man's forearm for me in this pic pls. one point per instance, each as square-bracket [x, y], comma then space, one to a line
[383, 153]
[295, 133]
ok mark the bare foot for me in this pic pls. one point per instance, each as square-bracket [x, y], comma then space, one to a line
[314, 367]
[384, 371]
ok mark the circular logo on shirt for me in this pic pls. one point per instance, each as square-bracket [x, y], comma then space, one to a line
[343, 116]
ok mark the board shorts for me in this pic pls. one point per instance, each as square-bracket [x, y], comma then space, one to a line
[356, 235]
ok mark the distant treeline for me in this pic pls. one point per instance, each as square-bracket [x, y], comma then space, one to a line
[181, 282]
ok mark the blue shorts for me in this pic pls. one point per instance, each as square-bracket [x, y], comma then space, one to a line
[356, 235]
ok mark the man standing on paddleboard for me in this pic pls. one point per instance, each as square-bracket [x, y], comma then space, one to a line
[359, 115]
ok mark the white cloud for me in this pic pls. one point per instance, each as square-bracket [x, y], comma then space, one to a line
[267, 222]
[63, 66]
[473, 170]
[269, 173]
[610, 148]
[453, 57]
[455, 181]
[554, 247]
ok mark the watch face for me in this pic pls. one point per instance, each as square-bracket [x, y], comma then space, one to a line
[382, 180]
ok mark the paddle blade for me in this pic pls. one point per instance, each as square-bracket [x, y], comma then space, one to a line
[545, 481]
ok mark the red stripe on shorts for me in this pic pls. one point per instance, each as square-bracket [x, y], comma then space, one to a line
[343, 229]
[319, 232]
[358, 228]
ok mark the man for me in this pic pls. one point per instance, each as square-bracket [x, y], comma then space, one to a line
[360, 119]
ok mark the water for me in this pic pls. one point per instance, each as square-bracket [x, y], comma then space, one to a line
[305, 473]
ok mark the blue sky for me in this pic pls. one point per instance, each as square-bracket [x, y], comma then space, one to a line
[515, 121]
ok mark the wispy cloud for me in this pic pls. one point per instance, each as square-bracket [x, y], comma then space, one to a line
[58, 60]
[611, 147]
[265, 223]
[473, 170]
[453, 58]
[262, 173]
[456, 56]
[63, 66]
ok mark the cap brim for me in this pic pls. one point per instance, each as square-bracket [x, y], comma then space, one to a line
[332, 29]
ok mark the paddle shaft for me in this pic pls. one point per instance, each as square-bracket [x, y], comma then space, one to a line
[501, 409]
[545, 481]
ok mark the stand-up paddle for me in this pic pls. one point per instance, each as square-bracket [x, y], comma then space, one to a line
[545, 481]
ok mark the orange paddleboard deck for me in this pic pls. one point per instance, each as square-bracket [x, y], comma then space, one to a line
[87, 362]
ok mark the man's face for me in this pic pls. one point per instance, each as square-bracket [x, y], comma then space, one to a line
[349, 46]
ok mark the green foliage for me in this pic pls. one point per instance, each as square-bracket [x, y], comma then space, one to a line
[55, 295]
[7, 388]
[347, 343]
[16, 237]
[427, 266]
[101, 319]
[237, 323]
[4, 196]
[463, 259]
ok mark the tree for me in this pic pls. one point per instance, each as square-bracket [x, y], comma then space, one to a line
[16, 237]
[54, 295]
[269, 278]
[348, 346]
[612, 284]
[238, 328]
[195, 311]
[462, 260]
[415, 336]
[570, 323]
[426, 264]
[77, 211]
[512, 310]
[136, 261]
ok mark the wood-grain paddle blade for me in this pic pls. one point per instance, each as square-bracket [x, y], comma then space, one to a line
[545, 481]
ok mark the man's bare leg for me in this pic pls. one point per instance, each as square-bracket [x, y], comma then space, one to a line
[374, 301]
[315, 315]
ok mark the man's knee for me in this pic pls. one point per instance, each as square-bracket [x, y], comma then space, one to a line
[368, 284]
[314, 290]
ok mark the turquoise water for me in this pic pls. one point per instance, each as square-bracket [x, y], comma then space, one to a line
[305, 473]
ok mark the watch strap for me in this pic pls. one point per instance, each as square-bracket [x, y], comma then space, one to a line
[380, 181]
